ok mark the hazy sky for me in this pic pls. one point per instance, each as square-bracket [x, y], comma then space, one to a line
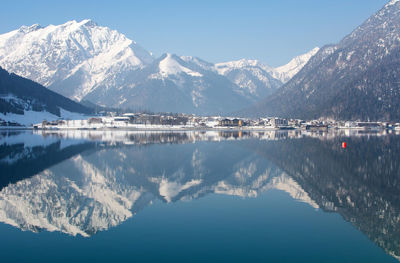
[272, 31]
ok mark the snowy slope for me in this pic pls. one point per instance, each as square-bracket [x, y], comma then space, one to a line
[170, 66]
[257, 80]
[24, 102]
[171, 84]
[73, 58]
[253, 78]
[31, 117]
[286, 72]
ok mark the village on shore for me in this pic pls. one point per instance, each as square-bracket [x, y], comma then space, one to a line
[151, 121]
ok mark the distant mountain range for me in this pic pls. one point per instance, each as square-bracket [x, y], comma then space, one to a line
[85, 61]
[356, 79]
[26, 102]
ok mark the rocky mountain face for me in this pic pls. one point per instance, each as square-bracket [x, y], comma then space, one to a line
[356, 79]
[85, 61]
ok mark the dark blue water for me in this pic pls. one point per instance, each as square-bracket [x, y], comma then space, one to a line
[199, 197]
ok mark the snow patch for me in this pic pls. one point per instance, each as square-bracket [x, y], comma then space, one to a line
[30, 117]
[392, 2]
[286, 72]
[169, 66]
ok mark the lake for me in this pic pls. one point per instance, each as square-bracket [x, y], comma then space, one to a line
[199, 196]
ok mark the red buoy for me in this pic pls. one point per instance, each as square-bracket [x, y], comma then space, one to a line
[344, 145]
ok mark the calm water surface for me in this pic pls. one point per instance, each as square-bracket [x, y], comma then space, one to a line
[125, 196]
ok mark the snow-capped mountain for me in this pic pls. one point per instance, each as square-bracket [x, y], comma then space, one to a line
[252, 75]
[253, 78]
[174, 85]
[257, 80]
[85, 61]
[286, 72]
[73, 59]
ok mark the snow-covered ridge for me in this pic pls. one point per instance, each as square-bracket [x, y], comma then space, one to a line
[286, 72]
[169, 66]
[82, 53]
[199, 62]
[262, 71]
[253, 78]
[392, 2]
[223, 67]
[82, 60]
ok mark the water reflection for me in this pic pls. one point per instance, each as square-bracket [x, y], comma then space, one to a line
[82, 182]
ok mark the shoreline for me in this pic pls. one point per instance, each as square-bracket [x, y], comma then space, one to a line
[171, 128]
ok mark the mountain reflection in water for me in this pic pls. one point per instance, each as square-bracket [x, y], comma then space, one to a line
[82, 182]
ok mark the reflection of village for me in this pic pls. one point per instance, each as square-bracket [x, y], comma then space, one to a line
[182, 121]
[140, 137]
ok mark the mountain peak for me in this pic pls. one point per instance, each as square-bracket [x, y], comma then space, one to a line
[355, 79]
[171, 65]
[80, 54]
[286, 72]
[169, 56]
[392, 2]
[239, 63]
[88, 23]
[28, 29]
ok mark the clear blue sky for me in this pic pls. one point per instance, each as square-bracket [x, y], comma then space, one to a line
[272, 31]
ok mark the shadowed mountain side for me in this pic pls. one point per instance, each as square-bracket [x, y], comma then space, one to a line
[357, 79]
[18, 94]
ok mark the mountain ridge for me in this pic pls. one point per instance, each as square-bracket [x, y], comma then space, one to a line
[87, 62]
[356, 79]
[79, 54]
